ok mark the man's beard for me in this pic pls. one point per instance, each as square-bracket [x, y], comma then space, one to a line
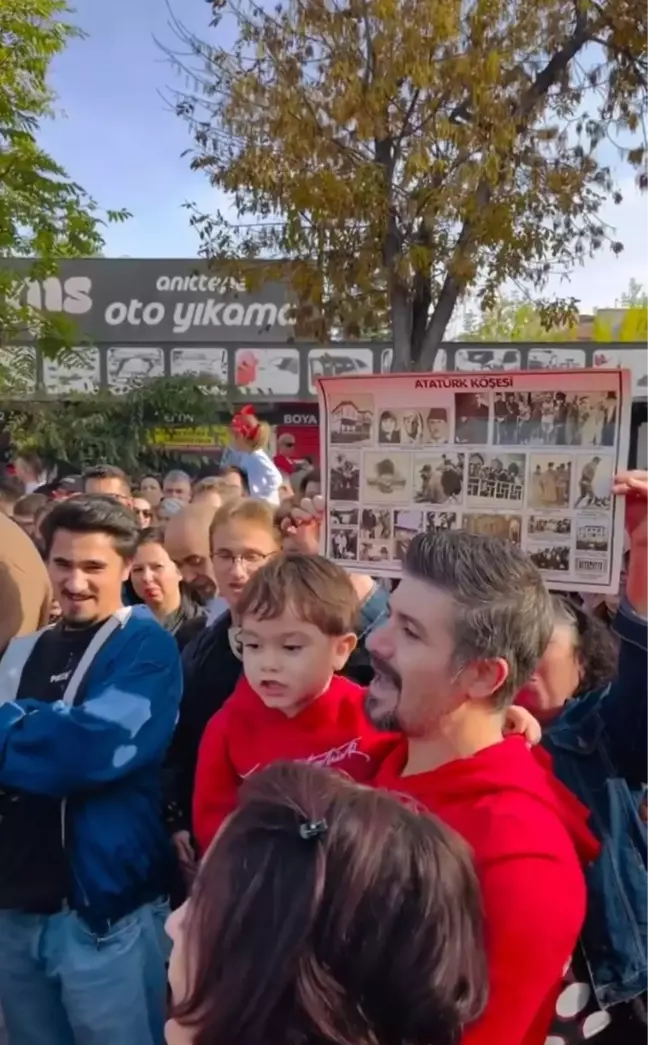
[202, 590]
[386, 721]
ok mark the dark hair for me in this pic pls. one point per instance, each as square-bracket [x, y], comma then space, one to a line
[596, 647]
[93, 514]
[318, 590]
[106, 471]
[387, 415]
[11, 489]
[30, 504]
[365, 931]
[232, 469]
[151, 475]
[151, 535]
[502, 608]
[313, 475]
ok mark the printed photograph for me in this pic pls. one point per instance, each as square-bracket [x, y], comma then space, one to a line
[546, 527]
[375, 551]
[344, 544]
[344, 516]
[413, 427]
[387, 358]
[337, 362]
[593, 482]
[267, 371]
[344, 478]
[77, 371]
[375, 524]
[351, 419]
[389, 428]
[565, 358]
[496, 479]
[487, 359]
[386, 477]
[437, 521]
[554, 418]
[550, 478]
[202, 360]
[553, 558]
[437, 429]
[509, 527]
[439, 478]
[128, 367]
[471, 418]
[406, 526]
[593, 534]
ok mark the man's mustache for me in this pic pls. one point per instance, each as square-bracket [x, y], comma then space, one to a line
[381, 667]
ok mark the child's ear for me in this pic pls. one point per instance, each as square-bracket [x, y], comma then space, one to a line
[343, 647]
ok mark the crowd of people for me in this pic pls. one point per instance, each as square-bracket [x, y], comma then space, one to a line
[248, 796]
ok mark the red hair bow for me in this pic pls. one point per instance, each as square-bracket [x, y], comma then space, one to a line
[245, 423]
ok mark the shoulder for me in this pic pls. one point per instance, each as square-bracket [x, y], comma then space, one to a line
[142, 631]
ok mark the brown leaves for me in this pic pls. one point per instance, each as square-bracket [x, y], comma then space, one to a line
[381, 143]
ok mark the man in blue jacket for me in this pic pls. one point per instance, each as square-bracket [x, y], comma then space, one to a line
[87, 710]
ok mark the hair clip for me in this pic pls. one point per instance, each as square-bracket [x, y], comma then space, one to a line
[313, 829]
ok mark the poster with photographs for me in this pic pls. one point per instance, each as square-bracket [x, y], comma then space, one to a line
[129, 367]
[522, 456]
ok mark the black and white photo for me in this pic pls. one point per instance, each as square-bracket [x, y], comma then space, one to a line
[344, 544]
[486, 524]
[549, 527]
[375, 551]
[553, 558]
[406, 526]
[439, 478]
[594, 477]
[550, 479]
[593, 533]
[436, 431]
[435, 522]
[389, 428]
[496, 479]
[412, 427]
[344, 516]
[375, 524]
[351, 419]
[344, 479]
[555, 418]
[472, 413]
[387, 477]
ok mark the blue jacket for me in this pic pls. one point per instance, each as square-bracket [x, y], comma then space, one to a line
[102, 756]
[598, 746]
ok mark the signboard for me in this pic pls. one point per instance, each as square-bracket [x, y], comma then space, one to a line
[135, 301]
[528, 456]
[198, 437]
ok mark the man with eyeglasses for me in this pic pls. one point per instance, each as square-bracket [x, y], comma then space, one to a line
[109, 481]
[284, 460]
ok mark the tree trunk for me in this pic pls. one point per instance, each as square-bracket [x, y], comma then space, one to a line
[401, 322]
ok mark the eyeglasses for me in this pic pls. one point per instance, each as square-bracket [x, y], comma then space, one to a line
[248, 558]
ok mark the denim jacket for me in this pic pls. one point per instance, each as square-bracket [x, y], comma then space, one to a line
[598, 746]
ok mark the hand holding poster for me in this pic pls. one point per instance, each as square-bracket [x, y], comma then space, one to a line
[528, 456]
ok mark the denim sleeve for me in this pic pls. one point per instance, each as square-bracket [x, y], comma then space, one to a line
[125, 723]
[373, 610]
[624, 708]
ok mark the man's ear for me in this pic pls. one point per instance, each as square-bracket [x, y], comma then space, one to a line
[343, 648]
[482, 679]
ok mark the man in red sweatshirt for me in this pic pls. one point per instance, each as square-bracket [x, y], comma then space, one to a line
[297, 616]
[469, 620]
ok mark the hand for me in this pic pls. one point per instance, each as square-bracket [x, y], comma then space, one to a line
[185, 853]
[633, 486]
[519, 721]
[301, 529]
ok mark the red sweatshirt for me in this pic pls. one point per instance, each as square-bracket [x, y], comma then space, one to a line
[527, 832]
[245, 736]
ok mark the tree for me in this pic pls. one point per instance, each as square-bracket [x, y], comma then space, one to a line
[86, 428]
[400, 152]
[44, 215]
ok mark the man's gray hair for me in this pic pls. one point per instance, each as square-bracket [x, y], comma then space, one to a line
[502, 606]
[176, 475]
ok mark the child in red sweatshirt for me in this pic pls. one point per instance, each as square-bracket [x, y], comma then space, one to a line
[296, 616]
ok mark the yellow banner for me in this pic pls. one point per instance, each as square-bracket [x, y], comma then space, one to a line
[207, 436]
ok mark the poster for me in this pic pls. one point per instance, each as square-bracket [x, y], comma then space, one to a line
[77, 371]
[128, 367]
[267, 371]
[202, 359]
[527, 456]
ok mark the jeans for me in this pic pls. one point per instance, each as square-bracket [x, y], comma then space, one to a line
[62, 985]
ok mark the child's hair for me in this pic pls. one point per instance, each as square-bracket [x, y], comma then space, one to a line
[246, 510]
[327, 912]
[317, 590]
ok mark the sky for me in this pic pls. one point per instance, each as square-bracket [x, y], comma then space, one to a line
[116, 135]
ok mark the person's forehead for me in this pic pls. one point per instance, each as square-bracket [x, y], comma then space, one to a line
[185, 537]
[422, 603]
[83, 545]
[287, 623]
[108, 482]
[238, 533]
[150, 552]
